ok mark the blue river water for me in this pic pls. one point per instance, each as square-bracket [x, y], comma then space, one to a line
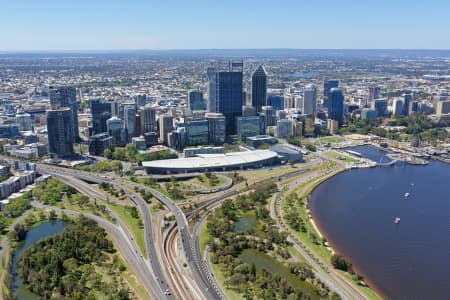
[35, 234]
[356, 209]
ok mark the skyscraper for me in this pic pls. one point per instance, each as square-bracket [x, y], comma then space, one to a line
[336, 105]
[59, 130]
[328, 85]
[129, 115]
[407, 98]
[374, 93]
[148, 119]
[165, 126]
[196, 100]
[101, 112]
[309, 100]
[225, 93]
[115, 128]
[259, 88]
[66, 96]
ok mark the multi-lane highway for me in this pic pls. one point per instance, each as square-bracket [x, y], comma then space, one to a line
[161, 286]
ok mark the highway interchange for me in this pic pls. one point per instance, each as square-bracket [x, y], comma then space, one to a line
[152, 270]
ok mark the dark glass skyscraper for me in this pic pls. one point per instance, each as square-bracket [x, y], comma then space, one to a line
[196, 100]
[225, 93]
[259, 88]
[59, 130]
[407, 98]
[101, 112]
[328, 85]
[66, 96]
[336, 105]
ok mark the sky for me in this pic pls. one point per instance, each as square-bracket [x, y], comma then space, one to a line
[27, 25]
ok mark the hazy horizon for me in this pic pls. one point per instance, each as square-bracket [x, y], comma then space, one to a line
[201, 24]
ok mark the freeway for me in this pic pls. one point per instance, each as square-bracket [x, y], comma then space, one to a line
[162, 287]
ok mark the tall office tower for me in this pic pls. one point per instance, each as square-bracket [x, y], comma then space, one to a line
[269, 118]
[101, 112]
[374, 93]
[397, 107]
[328, 85]
[115, 108]
[66, 96]
[309, 100]
[413, 107]
[336, 105]
[259, 88]
[129, 114]
[165, 126]
[381, 106]
[148, 119]
[407, 98]
[196, 100]
[216, 128]
[225, 93]
[115, 128]
[138, 124]
[276, 101]
[59, 130]
[140, 100]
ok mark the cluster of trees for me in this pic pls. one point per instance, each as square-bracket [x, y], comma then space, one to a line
[226, 244]
[213, 180]
[341, 263]
[51, 191]
[112, 190]
[130, 153]
[71, 264]
[416, 124]
[104, 166]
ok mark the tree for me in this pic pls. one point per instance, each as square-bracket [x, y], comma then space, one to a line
[341, 263]
[107, 153]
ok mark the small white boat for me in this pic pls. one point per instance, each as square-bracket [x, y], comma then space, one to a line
[397, 220]
[406, 195]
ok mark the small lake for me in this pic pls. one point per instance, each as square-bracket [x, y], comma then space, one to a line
[44, 230]
[246, 223]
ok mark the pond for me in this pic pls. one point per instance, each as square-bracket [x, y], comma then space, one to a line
[44, 230]
[246, 223]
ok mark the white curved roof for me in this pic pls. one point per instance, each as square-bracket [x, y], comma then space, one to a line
[212, 160]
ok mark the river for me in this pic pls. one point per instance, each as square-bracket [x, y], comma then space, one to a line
[355, 210]
[47, 229]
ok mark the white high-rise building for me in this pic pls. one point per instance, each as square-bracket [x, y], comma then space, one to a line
[309, 100]
[130, 121]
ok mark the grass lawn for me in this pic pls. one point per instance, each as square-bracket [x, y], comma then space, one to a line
[336, 155]
[203, 238]
[136, 229]
[204, 181]
[331, 139]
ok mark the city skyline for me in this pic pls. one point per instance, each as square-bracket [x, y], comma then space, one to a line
[113, 25]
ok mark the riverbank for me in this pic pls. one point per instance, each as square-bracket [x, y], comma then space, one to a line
[320, 248]
[356, 211]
